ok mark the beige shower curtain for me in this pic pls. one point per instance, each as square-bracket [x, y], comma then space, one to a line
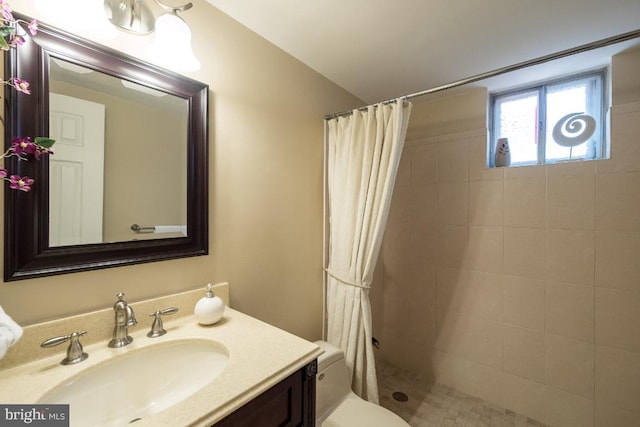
[363, 154]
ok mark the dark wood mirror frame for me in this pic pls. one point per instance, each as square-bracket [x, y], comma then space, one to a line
[26, 227]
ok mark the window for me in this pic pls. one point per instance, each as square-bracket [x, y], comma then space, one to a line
[557, 121]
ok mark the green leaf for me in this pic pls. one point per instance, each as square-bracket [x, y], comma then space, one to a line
[45, 142]
[3, 44]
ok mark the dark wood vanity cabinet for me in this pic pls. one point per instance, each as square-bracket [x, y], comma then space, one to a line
[290, 403]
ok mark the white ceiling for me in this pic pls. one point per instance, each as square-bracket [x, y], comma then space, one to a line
[381, 49]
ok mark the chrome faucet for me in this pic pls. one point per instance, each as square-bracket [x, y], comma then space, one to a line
[75, 352]
[124, 317]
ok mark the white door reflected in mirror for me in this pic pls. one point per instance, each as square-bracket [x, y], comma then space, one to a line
[76, 171]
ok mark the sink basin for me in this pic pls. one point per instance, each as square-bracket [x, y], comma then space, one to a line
[139, 383]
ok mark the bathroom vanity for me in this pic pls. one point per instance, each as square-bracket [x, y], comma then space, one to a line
[291, 402]
[258, 375]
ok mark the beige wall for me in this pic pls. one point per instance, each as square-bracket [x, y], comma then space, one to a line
[517, 285]
[266, 157]
[626, 88]
[443, 113]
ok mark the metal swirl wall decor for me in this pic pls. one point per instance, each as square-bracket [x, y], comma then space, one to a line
[574, 129]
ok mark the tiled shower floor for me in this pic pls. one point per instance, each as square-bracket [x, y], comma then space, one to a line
[437, 405]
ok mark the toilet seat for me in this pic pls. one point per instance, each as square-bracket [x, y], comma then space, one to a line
[355, 412]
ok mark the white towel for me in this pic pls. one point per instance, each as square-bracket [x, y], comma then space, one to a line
[10, 332]
[171, 229]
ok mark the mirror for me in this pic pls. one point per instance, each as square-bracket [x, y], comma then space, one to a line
[128, 181]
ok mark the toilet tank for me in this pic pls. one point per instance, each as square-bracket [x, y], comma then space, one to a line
[332, 380]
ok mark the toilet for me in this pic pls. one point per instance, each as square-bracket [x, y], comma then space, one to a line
[336, 404]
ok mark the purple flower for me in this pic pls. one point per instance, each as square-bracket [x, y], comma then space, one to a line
[16, 40]
[20, 183]
[41, 151]
[33, 27]
[6, 12]
[23, 145]
[3, 173]
[21, 85]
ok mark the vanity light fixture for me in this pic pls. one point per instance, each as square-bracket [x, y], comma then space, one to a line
[92, 25]
[171, 47]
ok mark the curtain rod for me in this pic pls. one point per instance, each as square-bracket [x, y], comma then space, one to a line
[536, 61]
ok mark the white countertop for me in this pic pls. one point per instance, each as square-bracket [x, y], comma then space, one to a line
[260, 355]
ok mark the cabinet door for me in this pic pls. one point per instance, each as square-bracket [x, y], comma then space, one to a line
[290, 403]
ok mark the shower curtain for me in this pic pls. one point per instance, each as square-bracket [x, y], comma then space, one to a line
[363, 154]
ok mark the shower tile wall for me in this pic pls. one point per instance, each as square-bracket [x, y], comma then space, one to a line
[520, 286]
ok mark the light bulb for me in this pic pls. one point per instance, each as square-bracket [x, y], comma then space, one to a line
[171, 47]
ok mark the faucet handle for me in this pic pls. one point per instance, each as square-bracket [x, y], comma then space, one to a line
[157, 328]
[75, 352]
